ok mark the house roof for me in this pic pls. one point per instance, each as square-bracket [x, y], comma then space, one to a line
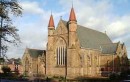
[35, 52]
[13, 60]
[93, 39]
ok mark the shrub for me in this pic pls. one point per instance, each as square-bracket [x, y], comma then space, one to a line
[123, 75]
[6, 69]
[113, 76]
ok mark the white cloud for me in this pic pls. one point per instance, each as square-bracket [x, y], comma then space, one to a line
[31, 7]
[119, 27]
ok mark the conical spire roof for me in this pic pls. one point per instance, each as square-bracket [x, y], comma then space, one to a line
[72, 15]
[51, 22]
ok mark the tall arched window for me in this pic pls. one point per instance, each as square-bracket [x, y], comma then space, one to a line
[61, 52]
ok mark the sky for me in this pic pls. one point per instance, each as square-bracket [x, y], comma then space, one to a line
[110, 16]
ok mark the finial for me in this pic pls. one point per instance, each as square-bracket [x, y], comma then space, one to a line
[105, 31]
[51, 12]
[72, 3]
[26, 47]
[60, 17]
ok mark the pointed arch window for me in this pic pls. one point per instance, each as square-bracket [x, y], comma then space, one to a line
[61, 55]
[61, 52]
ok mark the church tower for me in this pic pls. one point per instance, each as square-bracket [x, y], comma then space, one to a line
[72, 28]
[51, 29]
[72, 52]
[50, 46]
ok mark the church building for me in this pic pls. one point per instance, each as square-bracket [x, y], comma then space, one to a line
[73, 50]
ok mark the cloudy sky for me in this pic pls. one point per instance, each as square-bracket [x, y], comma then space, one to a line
[112, 16]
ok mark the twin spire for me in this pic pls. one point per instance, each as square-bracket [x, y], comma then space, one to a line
[51, 22]
[71, 18]
[72, 15]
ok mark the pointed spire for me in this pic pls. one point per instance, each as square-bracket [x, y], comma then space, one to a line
[72, 15]
[51, 22]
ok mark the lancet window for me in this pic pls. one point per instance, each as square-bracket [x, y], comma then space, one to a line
[61, 52]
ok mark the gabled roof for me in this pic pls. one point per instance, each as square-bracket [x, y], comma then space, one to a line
[90, 38]
[35, 53]
[65, 23]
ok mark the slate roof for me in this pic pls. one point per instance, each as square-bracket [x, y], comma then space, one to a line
[93, 39]
[16, 61]
[109, 48]
[35, 53]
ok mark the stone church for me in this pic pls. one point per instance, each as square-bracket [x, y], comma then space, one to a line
[73, 50]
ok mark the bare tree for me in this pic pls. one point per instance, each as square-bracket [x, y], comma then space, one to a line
[8, 32]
